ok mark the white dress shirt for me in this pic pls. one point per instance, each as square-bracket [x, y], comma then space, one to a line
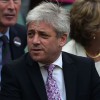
[57, 75]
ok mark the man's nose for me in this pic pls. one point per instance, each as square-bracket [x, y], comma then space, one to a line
[36, 39]
[11, 4]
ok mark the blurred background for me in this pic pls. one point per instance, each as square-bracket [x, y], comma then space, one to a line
[29, 4]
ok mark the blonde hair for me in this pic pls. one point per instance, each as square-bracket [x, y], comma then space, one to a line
[85, 21]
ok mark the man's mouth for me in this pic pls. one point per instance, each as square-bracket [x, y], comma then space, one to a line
[9, 15]
[36, 49]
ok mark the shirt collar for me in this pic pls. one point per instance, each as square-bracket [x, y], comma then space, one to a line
[7, 33]
[58, 62]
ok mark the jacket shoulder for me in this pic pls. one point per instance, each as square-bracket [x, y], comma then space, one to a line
[77, 59]
[19, 27]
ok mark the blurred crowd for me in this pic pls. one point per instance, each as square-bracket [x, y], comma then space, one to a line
[29, 4]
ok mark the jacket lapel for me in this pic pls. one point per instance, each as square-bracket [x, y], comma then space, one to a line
[16, 51]
[70, 77]
[36, 77]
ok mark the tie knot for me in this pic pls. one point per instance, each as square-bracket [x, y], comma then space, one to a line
[4, 39]
[50, 68]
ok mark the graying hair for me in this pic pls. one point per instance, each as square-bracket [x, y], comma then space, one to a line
[52, 14]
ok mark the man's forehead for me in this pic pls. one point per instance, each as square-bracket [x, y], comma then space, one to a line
[38, 26]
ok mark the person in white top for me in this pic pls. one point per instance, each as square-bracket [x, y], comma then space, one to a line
[85, 30]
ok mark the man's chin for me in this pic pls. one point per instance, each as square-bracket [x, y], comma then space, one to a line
[8, 23]
[36, 58]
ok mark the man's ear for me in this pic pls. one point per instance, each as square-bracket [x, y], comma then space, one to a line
[63, 40]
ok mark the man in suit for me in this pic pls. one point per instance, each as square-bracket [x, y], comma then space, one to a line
[15, 33]
[45, 72]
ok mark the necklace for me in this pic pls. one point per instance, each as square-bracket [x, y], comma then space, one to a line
[98, 55]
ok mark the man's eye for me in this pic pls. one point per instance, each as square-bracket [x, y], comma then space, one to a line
[44, 35]
[15, 1]
[4, 1]
[30, 35]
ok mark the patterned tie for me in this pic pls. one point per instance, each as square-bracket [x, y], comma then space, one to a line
[6, 55]
[51, 85]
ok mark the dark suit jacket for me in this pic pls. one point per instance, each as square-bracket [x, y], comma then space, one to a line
[22, 79]
[17, 31]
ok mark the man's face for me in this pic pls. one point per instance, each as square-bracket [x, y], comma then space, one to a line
[9, 11]
[43, 44]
